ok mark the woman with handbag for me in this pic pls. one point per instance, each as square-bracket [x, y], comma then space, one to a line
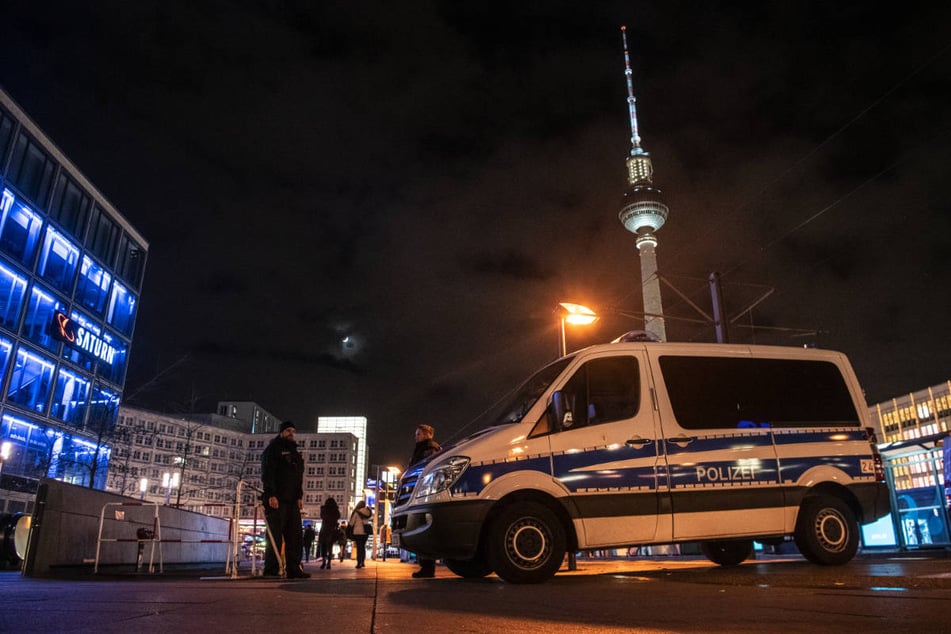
[358, 527]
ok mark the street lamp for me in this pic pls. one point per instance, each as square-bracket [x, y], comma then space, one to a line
[143, 487]
[169, 481]
[576, 315]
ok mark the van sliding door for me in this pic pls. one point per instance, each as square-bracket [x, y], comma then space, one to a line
[718, 442]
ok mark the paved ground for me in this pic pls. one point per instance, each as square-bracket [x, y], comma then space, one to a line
[383, 597]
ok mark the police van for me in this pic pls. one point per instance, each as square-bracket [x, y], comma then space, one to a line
[632, 444]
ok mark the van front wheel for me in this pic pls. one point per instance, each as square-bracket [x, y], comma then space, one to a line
[826, 531]
[526, 543]
[727, 553]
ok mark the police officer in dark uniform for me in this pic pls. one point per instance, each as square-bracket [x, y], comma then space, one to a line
[426, 446]
[282, 474]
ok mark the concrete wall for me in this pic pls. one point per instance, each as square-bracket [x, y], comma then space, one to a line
[65, 531]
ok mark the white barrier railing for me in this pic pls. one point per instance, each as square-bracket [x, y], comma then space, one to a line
[154, 538]
[142, 535]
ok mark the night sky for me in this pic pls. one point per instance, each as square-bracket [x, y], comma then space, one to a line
[431, 178]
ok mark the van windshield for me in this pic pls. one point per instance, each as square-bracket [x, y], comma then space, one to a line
[513, 409]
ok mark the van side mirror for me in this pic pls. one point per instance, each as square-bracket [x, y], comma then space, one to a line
[557, 411]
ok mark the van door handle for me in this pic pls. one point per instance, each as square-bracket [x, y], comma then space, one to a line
[638, 442]
[682, 441]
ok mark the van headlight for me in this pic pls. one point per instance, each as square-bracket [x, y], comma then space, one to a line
[441, 478]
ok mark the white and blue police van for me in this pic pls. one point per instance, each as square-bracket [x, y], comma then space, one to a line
[633, 444]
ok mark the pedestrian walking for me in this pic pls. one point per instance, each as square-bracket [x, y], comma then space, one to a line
[329, 517]
[342, 541]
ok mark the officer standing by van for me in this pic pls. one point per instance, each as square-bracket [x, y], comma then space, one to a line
[282, 474]
[426, 446]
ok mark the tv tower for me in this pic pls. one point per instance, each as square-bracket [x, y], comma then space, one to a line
[643, 213]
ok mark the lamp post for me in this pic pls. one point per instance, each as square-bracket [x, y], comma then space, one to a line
[391, 473]
[576, 315]
[143, 487]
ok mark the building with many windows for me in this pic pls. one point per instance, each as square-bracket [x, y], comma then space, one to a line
[912, 430]
[197, 461]
[356, 425]
[71, 270]
[262, 421]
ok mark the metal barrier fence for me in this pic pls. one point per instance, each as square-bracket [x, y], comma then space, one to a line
[149, 533]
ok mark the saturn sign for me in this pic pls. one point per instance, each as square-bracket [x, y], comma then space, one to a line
[69, 332]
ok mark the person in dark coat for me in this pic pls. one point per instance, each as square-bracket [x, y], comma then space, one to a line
[425, 447]
[309, 536]
[342, 541]
[282, 475]
[329, 516]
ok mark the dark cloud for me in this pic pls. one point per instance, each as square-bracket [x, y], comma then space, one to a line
[508, 265]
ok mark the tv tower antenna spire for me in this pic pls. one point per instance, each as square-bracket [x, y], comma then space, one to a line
[631, 100]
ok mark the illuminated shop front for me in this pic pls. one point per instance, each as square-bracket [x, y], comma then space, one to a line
[71, 270]
[913, 431]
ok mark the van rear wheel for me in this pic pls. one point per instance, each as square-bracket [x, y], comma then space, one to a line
[526, 543]
[727, 553]
[827, 532]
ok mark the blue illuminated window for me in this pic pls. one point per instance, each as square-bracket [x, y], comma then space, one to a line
[70, 397]
[31, 380]
[92, 291]
[39, 316]
[19, 228]
[121, 313]
[105, 409]
[42, 451]
[115, 352]
[12, 290]
[6, 347]
[58, 260]
[30, 447]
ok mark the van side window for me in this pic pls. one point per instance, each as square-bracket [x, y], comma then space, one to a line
[603, 390]
[742, 392]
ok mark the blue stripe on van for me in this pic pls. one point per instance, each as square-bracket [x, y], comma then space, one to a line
[578, 470]
[726, 442]
[794, 468]
[782, 437]
[476, 477]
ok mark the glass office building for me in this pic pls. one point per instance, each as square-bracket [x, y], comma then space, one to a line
[71, 270]
[913, 432]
